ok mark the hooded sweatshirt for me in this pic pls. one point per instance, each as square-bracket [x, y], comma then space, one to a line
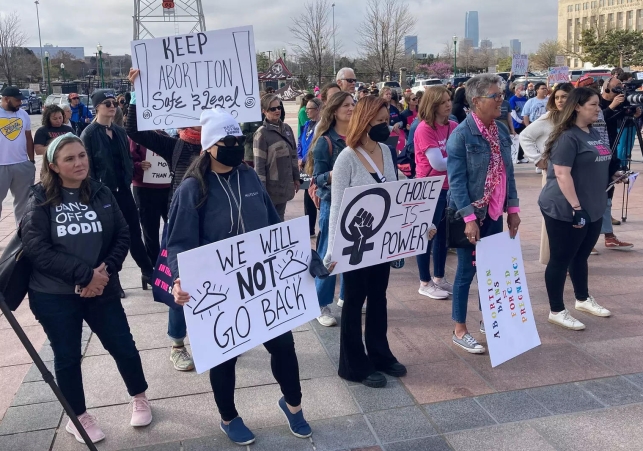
[237, 203]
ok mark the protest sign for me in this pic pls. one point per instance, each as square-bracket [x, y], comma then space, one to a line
[631, 179]
[384, 222]
[183, 75]
[560, 60]
[519, 64]
[159, 173]
[558, 75]
[246, 290]
[504, 297]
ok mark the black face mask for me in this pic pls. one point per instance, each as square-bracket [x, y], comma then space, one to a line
[379, 133]
[230, 155]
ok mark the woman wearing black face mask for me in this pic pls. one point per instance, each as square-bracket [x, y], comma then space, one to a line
[365, 161]
[228, 197]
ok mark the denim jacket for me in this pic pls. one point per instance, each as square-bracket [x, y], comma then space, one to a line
[324, 162]
[467, 167]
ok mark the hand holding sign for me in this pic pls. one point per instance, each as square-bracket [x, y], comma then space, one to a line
[145, 165]
[361, 229]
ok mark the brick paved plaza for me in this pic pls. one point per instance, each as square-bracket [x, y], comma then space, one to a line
[577, 391]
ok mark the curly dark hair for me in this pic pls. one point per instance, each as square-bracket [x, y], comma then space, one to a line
[49, 111]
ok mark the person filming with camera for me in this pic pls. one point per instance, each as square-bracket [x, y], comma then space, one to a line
[614, 112]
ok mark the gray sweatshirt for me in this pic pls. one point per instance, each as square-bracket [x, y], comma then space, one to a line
[349, 171]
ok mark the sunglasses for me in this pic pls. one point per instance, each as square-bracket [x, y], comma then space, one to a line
[122, 102]
[231, 140]
[414, 99]
[109, 104]
[350, 80]
[274, 108]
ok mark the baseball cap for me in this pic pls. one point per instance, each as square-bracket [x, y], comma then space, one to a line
[585, 80]
[73, 96]
[216, 124]
[12, 91]
[101, 95]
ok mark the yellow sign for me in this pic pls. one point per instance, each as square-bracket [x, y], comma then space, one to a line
[11, 127]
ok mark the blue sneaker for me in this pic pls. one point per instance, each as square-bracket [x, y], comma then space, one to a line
[238, 432]
[296, 421]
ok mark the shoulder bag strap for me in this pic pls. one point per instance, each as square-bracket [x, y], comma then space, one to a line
[372, 163]
[330, 146]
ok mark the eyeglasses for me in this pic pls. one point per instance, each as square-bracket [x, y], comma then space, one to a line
[496, 96]
[274, 108]
[231, 140]
[109, 103]
[350, 80]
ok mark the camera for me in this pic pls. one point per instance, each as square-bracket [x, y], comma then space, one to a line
[633, 98]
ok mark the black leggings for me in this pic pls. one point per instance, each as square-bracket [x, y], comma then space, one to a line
[285, 369]
[152, 206]
[354, 364]
[569, 248]
[127, 205]
[311, 211]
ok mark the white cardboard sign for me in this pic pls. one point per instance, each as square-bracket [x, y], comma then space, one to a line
[519, 64]
[558, 75]
[183, 75]
[504, 297]
[384, 222]
[247, 290]
[159, 173]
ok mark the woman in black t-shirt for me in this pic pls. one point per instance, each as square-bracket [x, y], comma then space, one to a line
[52, 126]
[76, 240]
[573, 206]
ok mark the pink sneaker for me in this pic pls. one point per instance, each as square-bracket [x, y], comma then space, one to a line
[90, 425]
[141, 412]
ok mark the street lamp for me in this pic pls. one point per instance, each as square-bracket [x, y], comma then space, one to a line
[99, 48]
[334, 68]
[413, 56]
[455, 55]
[48, 74]
[62, 71]
[42, 65]
[283, 52]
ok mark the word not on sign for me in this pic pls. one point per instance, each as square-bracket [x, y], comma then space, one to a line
[504, 297]
[246, 290]
[384, 222]
[183, 75]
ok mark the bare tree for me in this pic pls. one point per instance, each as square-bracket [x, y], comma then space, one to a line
[545, 57]
[382, 34]
[313, 32]
[11, 39]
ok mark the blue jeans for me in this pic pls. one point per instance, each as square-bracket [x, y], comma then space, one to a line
[176, 327]
[607, 219]
[438, 243]
[466, 270]
[326, 287]
[62, 315]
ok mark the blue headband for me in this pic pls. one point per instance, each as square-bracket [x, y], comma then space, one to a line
[53, 146]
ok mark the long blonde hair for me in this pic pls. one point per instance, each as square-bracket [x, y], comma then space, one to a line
[431, 101]
[326, 122]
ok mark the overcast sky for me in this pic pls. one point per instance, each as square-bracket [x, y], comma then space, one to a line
[85, 23]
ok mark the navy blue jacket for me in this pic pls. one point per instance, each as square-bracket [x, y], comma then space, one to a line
[217, 219]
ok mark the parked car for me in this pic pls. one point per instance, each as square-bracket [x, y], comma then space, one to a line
[31, 102]
[62, 99]
[457, 81]
[395, 86]
[505, 75]
[420, 85]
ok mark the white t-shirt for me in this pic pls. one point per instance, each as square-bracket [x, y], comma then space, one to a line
[13, 142]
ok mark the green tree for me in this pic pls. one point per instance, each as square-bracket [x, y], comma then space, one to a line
[263, 63]
[613, 47]
[504, 64]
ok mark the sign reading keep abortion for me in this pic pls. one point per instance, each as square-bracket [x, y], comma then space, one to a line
[384, 222]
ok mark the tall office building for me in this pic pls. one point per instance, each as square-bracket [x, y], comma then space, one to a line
[486, 44]
[471, 29]
[410, 45]
[574, 16]
[515, 46]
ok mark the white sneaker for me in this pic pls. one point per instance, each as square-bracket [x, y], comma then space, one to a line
[431, 290]
[539, 171]
[444, 285]
[340, 302]
[590, 306]
[523, 161]
[326, 318]
[564, 319]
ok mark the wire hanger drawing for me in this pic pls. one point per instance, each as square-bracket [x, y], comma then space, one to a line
[209, 300]
[294, 266]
